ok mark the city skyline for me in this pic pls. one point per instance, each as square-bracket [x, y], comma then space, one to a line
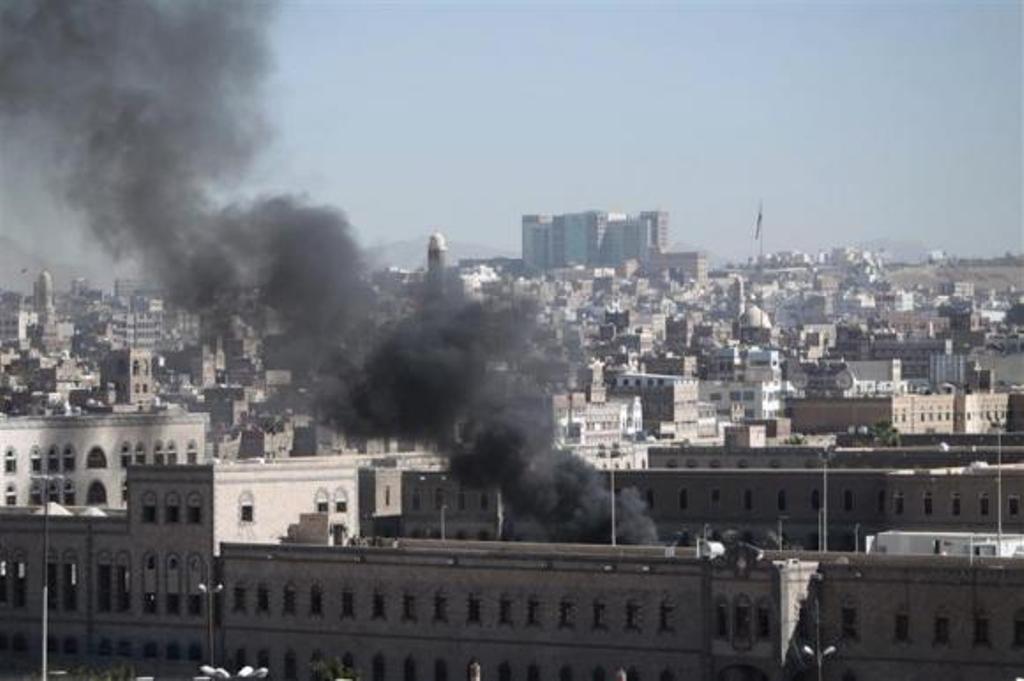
[897, 123]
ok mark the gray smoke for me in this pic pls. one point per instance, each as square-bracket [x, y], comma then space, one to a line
[450, 374]
[149, 111]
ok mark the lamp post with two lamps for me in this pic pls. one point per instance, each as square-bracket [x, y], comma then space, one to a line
[210, 592]
[816, 653]
[47, 479]
[246, 672]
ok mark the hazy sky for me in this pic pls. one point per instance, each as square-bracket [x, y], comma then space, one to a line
[851, 121]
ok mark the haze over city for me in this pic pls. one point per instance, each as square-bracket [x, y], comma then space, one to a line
[510, 342]
[895, 123]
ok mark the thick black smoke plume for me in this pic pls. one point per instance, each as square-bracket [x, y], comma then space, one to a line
[449, 375]
[149, 110]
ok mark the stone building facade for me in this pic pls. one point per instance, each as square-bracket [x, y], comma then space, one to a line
[92, 453]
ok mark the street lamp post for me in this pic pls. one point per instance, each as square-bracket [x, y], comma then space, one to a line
[210, 593]
[825, 455]
[778, 535]
[46, 479]
[856, 538]
[817, 653]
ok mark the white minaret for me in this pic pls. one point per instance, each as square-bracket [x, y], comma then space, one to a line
[437, 253]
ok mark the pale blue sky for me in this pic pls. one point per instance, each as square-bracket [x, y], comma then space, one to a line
[852, 121]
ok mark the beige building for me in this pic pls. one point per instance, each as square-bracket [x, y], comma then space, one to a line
[91, 453]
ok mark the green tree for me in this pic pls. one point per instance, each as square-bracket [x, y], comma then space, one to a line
[331, 668]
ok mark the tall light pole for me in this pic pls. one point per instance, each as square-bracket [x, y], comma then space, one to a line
[825, 455]
[46, 479]
[210, 593]
[779, 533]
[817, 653]
[611, 490]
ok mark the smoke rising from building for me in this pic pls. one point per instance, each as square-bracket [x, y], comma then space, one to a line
[449, 375]
[152, 111]
[149, 110]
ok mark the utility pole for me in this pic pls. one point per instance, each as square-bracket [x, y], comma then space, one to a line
[210, 593]
[611, 483]
[46, 479]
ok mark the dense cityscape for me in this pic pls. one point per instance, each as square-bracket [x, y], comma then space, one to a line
[269, 453]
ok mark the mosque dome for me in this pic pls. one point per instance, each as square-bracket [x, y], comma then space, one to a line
[755, 318]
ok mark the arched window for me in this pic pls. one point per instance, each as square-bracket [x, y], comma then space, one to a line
[69, 458]
[348, 661]
[53, 459]
[192, 453]
[533, 673]
[172, 508]
[378, 667]
[172, 453]
[246, 508]
[440, 670]
[35, 493]
[11, 495]
[158, 452]
[195, 509]
[983, 505]
[288, 599]
[409, 669]
[10, 460]
[173, 585]
[126, 454]
[565, 673]
[69, 493]
[504, 672]
[35, 460]
[96, 458]
[96, 494]
[340, 501]
[721, 617]
[741, 621]
[321, 501]
[140, 453]
[926, 503]
[632, 674]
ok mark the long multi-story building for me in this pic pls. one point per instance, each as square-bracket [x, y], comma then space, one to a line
[135, 588]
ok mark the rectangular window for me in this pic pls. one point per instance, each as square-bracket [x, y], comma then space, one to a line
[566, 615]
[1014, 504]
[195, 605]
[533, 612]
[473, 610]
[409, 608]
[149, 603]
[666, 617]
[123, 586]
[764, 619]
[149, 513]
[316, 602]
[247, 514]
[104, 595]
[238, 599]
[716, 495]
[440, 607]
[51, 582]
[722, 620]
[632, 616]
[288, 601]
[69, 585]
[20, 585]
[195, 515]
[262, 599]
[941, 633]
[505, 610]
[599, 615]
[981, 637]
[849, 622]
[901, 627]
[379, 606]
[173, 604]
[348, 604]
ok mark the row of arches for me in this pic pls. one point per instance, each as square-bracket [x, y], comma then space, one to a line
[65, 459]
[63, 493]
